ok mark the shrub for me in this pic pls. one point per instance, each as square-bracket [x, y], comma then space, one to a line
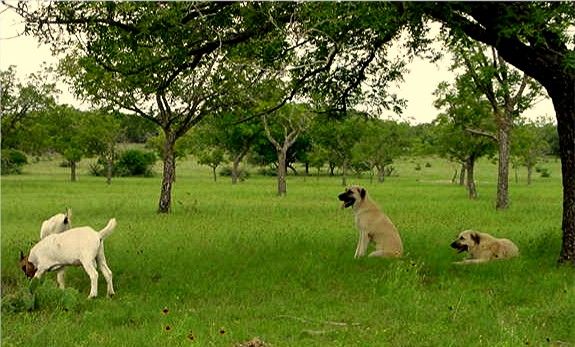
[227, 171]
[268, 171]
[134, 162]
[12, 161]
[544, 172]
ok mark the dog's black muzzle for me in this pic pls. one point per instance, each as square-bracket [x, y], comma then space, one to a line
[348, 199]
[459, 247]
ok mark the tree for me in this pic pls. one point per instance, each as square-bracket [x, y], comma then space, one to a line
[212, 157]
[380, 143]
[529, 146]
[235, 139]
[76, 134]
[288, 124]
[463, 108]
[171, 63]
[532, 36]
[20, 103]
[508, 92]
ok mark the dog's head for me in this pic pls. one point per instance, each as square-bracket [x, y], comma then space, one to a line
[28, 267]
[352, 195]
[467, 239]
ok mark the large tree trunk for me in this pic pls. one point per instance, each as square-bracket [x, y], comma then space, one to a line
[168, 176]
[282, 171]
[504, 127]
[470, 166]
[563, 97]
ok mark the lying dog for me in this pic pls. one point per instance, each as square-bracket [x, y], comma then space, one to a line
[372, 224]
[483, 247]
[79, 246]
[56, 224]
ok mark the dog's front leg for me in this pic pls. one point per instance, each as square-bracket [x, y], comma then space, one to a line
[361, 244]
[471, 261]
[60, 278]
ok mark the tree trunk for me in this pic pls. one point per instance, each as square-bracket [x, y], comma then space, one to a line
[109, 169]
[381, 174]
[344, 173]
[214, 173]
[563, 97]
[462, 175]
[331, 168]
[529, 173]
[504, 127]
[169, 173]
[454, 178]
[73, 170]
[470, 165]
[282, 172]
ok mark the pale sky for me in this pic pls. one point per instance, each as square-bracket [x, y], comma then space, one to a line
[27, 55]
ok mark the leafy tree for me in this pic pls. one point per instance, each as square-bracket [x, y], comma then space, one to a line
[288, 124]
[223, 132]
[463, 108]
[380, 142]
[212, 157]
[20, 103]
[171, 63]
[509, 93]
[76, 134]
[336, 137]
[529, 146]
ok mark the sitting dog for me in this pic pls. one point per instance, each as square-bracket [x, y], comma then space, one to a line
[79, 246]
[372, 225]
[56, 224]
[483, 247]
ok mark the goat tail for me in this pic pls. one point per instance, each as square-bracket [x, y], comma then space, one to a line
[108, 229]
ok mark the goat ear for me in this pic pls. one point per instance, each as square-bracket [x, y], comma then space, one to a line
[21, 255]
[362, 193]
[68, 212]
[476, 238]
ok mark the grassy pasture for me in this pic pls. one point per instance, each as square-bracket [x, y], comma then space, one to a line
[235, 262]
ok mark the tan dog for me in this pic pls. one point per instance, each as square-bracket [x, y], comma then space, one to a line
[372, 224]
[483, 247]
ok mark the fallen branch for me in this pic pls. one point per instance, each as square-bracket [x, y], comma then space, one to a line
[303, 320]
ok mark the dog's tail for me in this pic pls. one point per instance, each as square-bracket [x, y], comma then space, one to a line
[108, 229]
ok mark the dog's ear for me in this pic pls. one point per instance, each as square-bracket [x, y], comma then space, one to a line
[362, 193]
[475, 237]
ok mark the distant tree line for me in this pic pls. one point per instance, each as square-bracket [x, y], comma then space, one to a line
[355, 143]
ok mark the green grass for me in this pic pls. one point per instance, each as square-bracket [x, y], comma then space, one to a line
[235, 262]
